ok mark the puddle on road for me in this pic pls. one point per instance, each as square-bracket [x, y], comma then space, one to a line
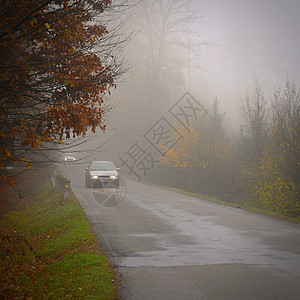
[208, 243]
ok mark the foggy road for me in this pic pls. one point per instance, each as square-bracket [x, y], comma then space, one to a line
[170, 246]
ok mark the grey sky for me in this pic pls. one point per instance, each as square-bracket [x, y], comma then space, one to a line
[254, 40]
[266, 31]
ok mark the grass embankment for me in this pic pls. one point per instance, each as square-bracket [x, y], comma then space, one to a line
[48, 251]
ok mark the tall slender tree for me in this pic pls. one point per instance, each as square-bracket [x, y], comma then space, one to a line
[160, 51]
[255, 118]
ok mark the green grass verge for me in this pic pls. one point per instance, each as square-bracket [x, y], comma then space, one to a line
[48, 251]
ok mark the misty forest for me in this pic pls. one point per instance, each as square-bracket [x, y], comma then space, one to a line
[149, 149]
[246, 149]
[101, 85]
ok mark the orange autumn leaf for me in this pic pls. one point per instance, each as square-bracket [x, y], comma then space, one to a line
[54, 91]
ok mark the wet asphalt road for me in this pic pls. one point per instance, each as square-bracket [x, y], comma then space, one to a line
[170, 246]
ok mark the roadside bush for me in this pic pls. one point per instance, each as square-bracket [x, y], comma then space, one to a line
[270, 189]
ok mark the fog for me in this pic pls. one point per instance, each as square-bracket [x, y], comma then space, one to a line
[214, 50]
[228, 47]
[197, 105]
[254, 40]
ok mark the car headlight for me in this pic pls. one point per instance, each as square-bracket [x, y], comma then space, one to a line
[94, 177]
[113, 177]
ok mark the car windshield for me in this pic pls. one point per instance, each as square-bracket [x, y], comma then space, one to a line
[102, 166]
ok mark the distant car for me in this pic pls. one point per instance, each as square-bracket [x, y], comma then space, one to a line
[69, 157]
[102, 173]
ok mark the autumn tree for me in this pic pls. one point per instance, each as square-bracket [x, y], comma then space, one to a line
[58, 60]
[286, 128]
[202, 158]
[273, 175]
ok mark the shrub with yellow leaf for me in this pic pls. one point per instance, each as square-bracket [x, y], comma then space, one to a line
[270, 188]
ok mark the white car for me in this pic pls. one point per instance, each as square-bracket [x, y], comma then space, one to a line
[68, 157]
[103, 173]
